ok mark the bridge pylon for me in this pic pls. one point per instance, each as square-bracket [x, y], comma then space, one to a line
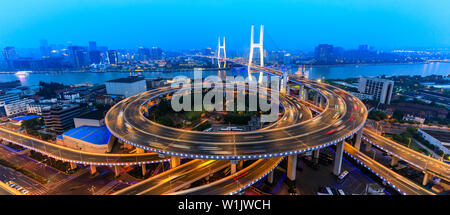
[221, 62]
[259, 46]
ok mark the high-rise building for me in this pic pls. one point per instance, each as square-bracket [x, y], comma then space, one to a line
[112, 57]
[59, 118]
[92, 46]
[143, 53]
[363, 48]
[95, 56]
[9, 54]
[277, 56]
[381, 89]
[78, 56]
[324, 54]
[287, 59]
[156, 53]
[8, 98]
[17, 107]
[207, 51]
[45, 49]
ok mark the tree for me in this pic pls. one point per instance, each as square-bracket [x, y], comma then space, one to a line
[31, 124]
[398, 115]
[377, 115]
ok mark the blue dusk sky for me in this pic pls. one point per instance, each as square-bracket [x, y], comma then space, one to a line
[185, 24]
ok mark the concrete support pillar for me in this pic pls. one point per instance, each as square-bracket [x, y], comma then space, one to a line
[292, 167]
[111, 141]
[357, 137]
[174, 161]
[305, 94]
[338, 158]
[316, 99]
[73, 165]
[233, 164]
[394, 161]
[116, 171]
[93, 169]
[316, 154]
[426, 178]
[300, 92]
[240, 165]
[270, 177]
[144, 169]
[321, 102]
[368, 147]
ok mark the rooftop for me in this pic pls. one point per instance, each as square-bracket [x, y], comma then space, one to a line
[96, 114]
[130, 79]
[25, 118]
[91, 134]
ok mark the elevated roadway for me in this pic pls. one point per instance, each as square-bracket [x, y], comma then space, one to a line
[419, 160]
[181, 176]
[237, 182]
[175, 178]
[400, 183]
[76, 156]
[343, 116]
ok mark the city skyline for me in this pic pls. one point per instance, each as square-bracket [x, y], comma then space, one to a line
[172, 26]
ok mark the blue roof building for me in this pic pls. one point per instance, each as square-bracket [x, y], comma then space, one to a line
[87, 138]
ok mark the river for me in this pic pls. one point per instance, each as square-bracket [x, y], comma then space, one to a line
[323, 72]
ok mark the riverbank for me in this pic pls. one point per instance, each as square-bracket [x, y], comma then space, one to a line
[320, 72]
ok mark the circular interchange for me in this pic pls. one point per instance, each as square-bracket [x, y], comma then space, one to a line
[343, 115]
[281, 104]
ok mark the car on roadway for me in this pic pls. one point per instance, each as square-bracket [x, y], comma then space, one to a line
[19, 188]
[343, 175]
[11, 184]
[325, 191]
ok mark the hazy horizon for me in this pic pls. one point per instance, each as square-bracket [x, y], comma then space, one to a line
[179, 25]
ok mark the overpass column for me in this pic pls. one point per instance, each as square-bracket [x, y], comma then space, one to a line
[292, 167]
[111, 141]
[426, 178]
[240, 165]
[316, 154]
[358, 139]
[174, 161]
[316, 99]
[73, 165]
[116, 171]
[368, 147]
[300, 92]
[144, 169]
[338, 158]
[93, 169]
[233, 166]
[394, 161]
[305, 94]
[321, 102]
[270, 177]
